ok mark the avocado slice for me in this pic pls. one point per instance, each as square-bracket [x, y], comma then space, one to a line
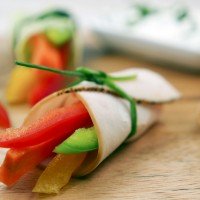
[82, 140]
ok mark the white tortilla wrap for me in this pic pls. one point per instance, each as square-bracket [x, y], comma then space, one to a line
[111, 114]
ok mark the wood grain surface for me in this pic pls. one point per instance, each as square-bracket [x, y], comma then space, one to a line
[163, 164]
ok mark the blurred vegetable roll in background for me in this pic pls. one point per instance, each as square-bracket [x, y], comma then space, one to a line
[46, 39]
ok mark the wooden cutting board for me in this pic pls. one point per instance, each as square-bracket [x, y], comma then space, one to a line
[163, 164]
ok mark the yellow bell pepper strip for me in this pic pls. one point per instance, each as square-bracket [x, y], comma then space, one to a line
[61, 122]
[58, 173]
[82, 140]
[20, 83]
[4, 119]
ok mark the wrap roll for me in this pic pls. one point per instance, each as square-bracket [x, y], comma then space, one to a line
[48, 39]
[111, 114]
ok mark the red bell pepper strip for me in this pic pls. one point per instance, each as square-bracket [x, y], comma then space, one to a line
[66, 53]
[4, 119]
[19, 161]
[55, 124]
[45, 88]
[45, 53]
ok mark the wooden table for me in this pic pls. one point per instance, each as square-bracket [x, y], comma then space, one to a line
[163, 164]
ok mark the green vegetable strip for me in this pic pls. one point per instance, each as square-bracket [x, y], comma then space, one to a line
[82, 140]
[100, 78]
[58, 36]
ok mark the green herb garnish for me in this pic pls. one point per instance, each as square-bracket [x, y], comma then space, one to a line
[182, 14]
[143, 12]
[98, 77]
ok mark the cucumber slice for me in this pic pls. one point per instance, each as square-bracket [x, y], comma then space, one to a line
[58, 36]
[82, 140]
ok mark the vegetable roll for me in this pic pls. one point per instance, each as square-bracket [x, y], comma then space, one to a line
[46, 39]
[83, 125]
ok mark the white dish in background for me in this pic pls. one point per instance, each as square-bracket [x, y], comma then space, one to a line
[159, 36]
